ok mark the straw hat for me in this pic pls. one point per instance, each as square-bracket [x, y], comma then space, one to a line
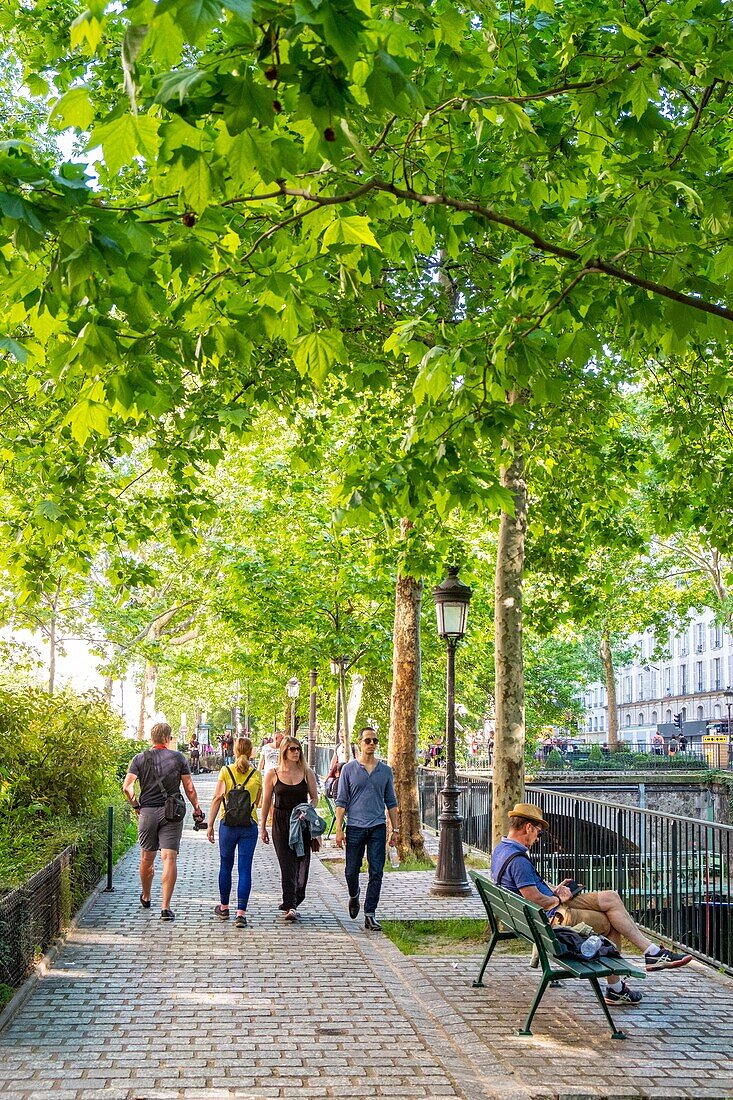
[532, 813]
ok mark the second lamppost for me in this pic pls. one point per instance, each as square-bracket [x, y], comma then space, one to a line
[293, 688]
[452, 598]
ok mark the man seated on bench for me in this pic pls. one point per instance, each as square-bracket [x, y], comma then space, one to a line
[604, 911]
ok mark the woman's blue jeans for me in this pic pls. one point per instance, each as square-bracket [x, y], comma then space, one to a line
[241, 840]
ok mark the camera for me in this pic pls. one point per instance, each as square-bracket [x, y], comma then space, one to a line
[199, 823]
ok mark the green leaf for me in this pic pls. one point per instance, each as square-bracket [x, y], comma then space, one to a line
[195, 17]
[349, 230]
[126, 137]
[73, 109]
[242, 8]
[16, 350]
[316, 353]
[87, 417]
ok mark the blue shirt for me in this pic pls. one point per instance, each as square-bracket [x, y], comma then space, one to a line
[520, 872]
[364, 795]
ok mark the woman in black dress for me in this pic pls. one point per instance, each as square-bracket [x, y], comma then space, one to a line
[291, 783]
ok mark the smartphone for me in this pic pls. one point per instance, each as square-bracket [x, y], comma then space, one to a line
[574, 887]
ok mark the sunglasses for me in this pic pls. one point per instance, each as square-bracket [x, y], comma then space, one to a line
[370, 740]
[293, 748]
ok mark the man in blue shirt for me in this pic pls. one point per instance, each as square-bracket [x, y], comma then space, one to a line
[365, 790]
[604, 911]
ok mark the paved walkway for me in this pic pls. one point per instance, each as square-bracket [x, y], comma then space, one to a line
[133, 1009]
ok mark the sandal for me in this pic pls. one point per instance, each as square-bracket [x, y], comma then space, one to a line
[145, 904]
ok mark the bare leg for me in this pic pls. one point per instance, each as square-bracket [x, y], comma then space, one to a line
[147, 870]
[170, 874]
[620, 920]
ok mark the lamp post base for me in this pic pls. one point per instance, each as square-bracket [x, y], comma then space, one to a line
[451, 880]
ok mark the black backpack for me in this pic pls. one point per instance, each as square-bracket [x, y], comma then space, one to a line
[238, 803]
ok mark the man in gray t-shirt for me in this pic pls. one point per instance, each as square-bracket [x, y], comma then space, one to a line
[160, 771]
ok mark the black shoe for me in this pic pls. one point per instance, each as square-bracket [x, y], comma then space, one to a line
[145, 904]
[354, 907]
[371, 923]
[240, 921]
[665, 960]
[167, 914]
[222, 914]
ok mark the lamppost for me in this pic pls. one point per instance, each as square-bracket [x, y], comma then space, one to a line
[293, 689]
[728, 696]
[452, 598]
[312, 720]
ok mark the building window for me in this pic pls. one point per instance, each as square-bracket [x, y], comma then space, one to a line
[700, 638]
[700, 714]
[628, 719]
[640, 721]
[627, 689]
[699, 677]
[683, 644]
[603, 722]
[640, 686]
[717, 632]
[668, 717]
[668, 681]
[715, 677]
[683, 679]
[654, 718]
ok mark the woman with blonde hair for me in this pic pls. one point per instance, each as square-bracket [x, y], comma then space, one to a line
[289, 784]
[238, 792]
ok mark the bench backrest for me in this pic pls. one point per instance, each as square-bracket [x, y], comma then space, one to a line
[520, 916]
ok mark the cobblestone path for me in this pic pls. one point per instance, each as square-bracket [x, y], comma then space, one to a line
[132, 1008]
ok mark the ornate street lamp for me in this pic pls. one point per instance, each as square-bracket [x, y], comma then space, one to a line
[452, 598]
[293, 690]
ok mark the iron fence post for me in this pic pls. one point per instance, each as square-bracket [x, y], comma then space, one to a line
[576, 841]
[619, 851]
[110, 834]
[674, 883]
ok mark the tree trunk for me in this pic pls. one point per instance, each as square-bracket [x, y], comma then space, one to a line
[508, 779]
[404, 712]
[606, 655]
[147, 701]
[109, 685]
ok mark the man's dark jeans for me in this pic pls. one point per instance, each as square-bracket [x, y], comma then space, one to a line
[374, 840]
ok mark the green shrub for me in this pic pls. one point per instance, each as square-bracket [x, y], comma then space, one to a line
[595, 756]
[62, 758]
[554, 760]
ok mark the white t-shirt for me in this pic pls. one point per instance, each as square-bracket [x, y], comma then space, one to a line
[271, 754]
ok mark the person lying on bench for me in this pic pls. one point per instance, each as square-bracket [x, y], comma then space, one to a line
[604, 911]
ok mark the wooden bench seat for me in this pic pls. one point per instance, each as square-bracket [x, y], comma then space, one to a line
[522, 919]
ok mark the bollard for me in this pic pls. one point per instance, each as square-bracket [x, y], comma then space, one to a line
[110, 822]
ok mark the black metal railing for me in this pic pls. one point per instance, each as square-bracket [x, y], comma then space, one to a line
[712, 757]
[32, 915]
[675, 874]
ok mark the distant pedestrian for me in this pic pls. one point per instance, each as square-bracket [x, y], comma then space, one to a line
[683, 742]
[657, 744]
[228, 748]
[366, 790]
[287, 785]
[672, 746]
[236, 835]
[160, 771]
[194, 751]
[269, 759]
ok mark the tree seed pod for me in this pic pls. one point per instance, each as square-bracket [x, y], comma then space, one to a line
[329, 134]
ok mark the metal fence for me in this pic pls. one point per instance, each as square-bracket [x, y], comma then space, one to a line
[714, 757]
[675, 874]
[32, 915]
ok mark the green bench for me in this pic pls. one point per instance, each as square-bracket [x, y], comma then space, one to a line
[521, 919]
